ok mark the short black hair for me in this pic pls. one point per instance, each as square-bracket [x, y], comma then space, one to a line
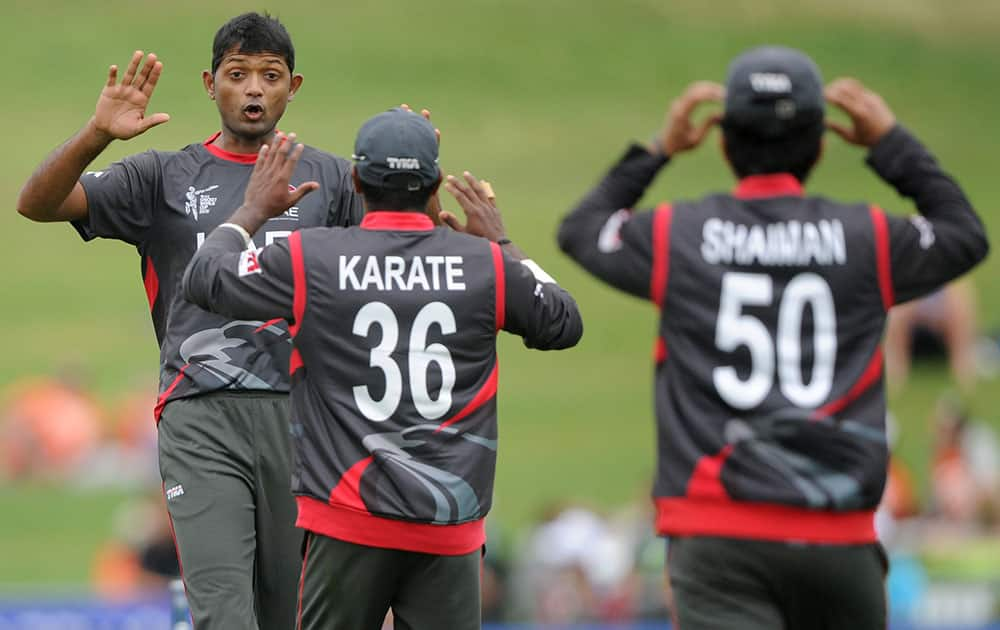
[796, 153]
[399, 199]
[253, 33]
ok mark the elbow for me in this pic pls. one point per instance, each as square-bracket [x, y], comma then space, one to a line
[26, 210]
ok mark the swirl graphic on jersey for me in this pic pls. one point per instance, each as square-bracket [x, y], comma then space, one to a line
[454, 499]
[222, 352]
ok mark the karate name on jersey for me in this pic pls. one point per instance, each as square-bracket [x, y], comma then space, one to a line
[785, 243]
[396, 273]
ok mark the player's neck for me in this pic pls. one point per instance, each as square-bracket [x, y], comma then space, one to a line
[234, 143]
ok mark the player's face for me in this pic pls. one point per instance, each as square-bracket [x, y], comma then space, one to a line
[251, 92]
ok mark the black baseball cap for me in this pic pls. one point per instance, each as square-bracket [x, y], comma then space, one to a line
[397, 149]
[772, 92]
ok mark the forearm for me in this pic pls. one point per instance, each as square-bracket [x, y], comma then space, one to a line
[46, 192]
[622, 187]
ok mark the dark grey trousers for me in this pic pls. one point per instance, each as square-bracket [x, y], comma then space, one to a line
[224, 461]
[723, 583]
[351, 587]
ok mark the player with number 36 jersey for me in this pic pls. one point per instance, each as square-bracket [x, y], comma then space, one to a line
[768, 369]
[394, 375]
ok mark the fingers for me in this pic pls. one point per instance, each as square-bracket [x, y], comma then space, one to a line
[112, 76]
[706, 126]
[697, 93]
[845, 132]
[151, 121]
[133, 65]
[459, 191]
[477, 188]
[303, 190]
[147, 67]
[152, 77]
[451, 221]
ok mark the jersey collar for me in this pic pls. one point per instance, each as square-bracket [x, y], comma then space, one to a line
[770, 185]
[406, 221]
[241, 158]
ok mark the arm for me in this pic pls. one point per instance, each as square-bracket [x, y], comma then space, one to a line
[53, 192]
[947, 239]
[225, 277]
[601, 232]
[535, 307]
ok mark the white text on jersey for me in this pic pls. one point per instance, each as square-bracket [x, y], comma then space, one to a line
[395, 273]
[786, 243]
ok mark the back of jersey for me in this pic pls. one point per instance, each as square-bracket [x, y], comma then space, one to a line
[770, 383]
[398, 343]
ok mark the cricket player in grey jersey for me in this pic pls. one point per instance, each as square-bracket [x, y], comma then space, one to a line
[223, 406]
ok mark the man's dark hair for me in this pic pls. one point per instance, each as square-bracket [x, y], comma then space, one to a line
[253, 33]
[796, 153]
[381, 198]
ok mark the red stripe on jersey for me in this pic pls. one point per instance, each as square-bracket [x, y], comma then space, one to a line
[488, 391]
[302, 582]
[267, 324]
[882, 259]
[164, 397]
[870, 376]
[661, 254]
[294, 362]
[500, 300]
[683, 516]
[389, 220]
[229, 156]
[298, 281]
[770, 185]
[348, 489]
[151, 281]
[706, 481]
[660, 351]
[362, 528]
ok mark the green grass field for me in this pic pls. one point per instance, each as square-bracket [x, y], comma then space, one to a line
[538, 96]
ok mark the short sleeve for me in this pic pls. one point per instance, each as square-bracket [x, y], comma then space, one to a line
[121, 199]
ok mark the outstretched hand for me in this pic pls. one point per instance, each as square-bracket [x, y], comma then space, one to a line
[268, 192]
[870, 116]
[679, 132]
[482, 216]
[121, 107]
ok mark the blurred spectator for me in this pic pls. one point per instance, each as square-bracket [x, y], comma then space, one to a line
[127, 456]
[48, 428]
[965, 468]
[943, 322]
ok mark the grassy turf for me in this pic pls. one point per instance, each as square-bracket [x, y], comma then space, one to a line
[537, 96]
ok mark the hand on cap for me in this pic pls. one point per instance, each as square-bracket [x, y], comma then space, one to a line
[870, 117]
[679, 133]
[268, 192]
[482, 216]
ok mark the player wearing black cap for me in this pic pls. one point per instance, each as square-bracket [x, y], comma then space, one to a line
[768, 375]
[394, 373]
[223, 406]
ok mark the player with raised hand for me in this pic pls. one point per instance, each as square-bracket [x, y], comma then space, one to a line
[394, 373]
[222, 411]
[769, 395]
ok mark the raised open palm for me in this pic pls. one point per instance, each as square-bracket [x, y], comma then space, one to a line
[121, 108]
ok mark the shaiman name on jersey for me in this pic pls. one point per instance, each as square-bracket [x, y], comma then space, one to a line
[396, 273]
[785, 243]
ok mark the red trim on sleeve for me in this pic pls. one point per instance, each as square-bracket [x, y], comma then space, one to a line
[348, 490]
[769, 185]
[706, 480]
[229, 156]
[660, 350]
[870, 376]
[298, 281]
[682, 516]
[390, 220]
[165, 396]
[661, 254]
[881, 226]
[362, 528]
[488, 391]
[501, 286]
[151, 281]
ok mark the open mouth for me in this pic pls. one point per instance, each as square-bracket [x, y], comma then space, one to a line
[253, 111]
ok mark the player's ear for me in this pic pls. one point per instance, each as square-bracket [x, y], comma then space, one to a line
[437, 184]
[208, 79]
[296, 84]
[356, 180]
